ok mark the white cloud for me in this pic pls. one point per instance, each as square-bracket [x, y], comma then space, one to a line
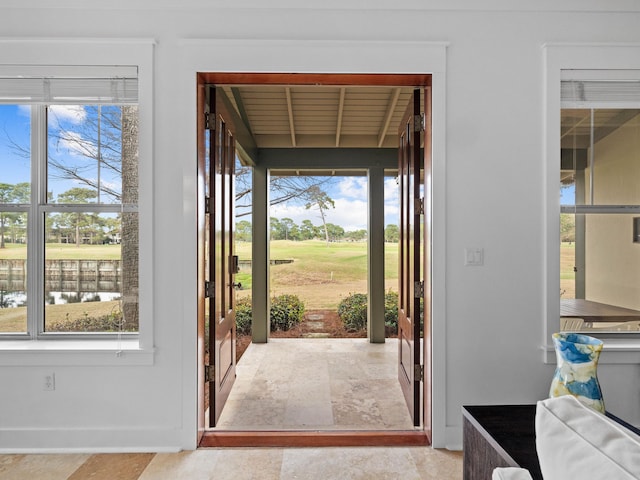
[350, 212]
[24, 110]
[67, 113]
[76, 145]
[391, 197]
[297, 213]
[74, 114]
[353, 187]
[391, 189]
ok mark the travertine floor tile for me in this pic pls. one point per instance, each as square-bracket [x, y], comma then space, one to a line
[217, 464]
[349, 464]
[193, 465]
[41, 467]
[437, 464]
[108, 466]
[317, 383]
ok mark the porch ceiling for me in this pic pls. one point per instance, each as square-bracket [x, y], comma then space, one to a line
[320, 116]
[576, 126]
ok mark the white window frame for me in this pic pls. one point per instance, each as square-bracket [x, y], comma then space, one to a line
[86, 53]
[618, 349]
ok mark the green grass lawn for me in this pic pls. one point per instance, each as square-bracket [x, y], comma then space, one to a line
[320, 275]
[15, 319]
[567, 275]
[64, 251]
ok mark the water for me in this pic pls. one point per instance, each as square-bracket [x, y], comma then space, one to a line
[19, 298]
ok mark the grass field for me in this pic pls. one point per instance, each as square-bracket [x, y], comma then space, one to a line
[64, 251]
[320, 275]
[15, 319]
[567, 275]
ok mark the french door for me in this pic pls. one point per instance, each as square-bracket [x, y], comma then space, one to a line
[414, 174]
[217, 262]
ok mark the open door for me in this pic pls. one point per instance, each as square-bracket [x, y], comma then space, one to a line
[221, 263]
[411, 288]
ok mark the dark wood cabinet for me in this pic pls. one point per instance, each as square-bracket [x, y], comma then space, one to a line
[499, 436]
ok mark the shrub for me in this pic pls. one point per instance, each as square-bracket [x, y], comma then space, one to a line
[391, 312]
[353, 311]
[243, 316]
[286, 311]
[105, 323]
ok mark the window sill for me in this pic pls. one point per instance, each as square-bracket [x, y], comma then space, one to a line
[74, 352]
[616, 351]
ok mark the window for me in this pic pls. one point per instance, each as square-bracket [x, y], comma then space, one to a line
[68, 201]
[600, 199]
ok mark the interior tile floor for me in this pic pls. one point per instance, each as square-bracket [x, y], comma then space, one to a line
[317, 383]
[287, 383]
[414, 463]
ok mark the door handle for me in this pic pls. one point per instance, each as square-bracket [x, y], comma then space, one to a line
[237, 286]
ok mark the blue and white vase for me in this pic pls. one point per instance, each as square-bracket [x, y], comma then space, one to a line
[577, 356]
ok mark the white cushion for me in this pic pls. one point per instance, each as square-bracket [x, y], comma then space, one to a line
[575, 441]
[511, 473]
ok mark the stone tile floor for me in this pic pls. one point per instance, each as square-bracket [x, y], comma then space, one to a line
[317, 383]
[419, 463]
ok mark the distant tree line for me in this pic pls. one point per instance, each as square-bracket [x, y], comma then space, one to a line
[287, 229]
[73, 227]
[567, 227]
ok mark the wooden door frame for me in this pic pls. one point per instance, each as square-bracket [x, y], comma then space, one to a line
[306, 438]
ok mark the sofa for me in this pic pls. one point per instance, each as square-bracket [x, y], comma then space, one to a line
[574, 441]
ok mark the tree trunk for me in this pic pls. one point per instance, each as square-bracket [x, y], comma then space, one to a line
[324, 224]
[129, 233]
[2, 231]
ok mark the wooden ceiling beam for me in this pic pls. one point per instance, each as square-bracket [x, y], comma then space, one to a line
[340, 114]
[235, 91]
[391, 106]
[292, 127]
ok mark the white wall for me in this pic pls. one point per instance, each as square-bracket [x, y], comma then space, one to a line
[490, 326]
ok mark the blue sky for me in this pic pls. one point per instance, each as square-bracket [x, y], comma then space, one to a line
[567, 195]
[15, 125]
[73, 148]
[348, 193]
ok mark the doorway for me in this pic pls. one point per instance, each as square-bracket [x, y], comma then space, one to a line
[300, 141]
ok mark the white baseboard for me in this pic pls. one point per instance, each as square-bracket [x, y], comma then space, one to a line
[95, 440]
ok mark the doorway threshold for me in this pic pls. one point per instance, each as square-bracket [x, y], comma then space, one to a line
[307, 438]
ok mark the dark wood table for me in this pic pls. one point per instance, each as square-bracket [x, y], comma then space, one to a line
[595, 311]
[499, 436]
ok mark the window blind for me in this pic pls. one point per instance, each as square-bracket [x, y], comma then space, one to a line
[593, 89]
[68, 84]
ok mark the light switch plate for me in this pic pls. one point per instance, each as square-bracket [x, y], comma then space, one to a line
[473, 257]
